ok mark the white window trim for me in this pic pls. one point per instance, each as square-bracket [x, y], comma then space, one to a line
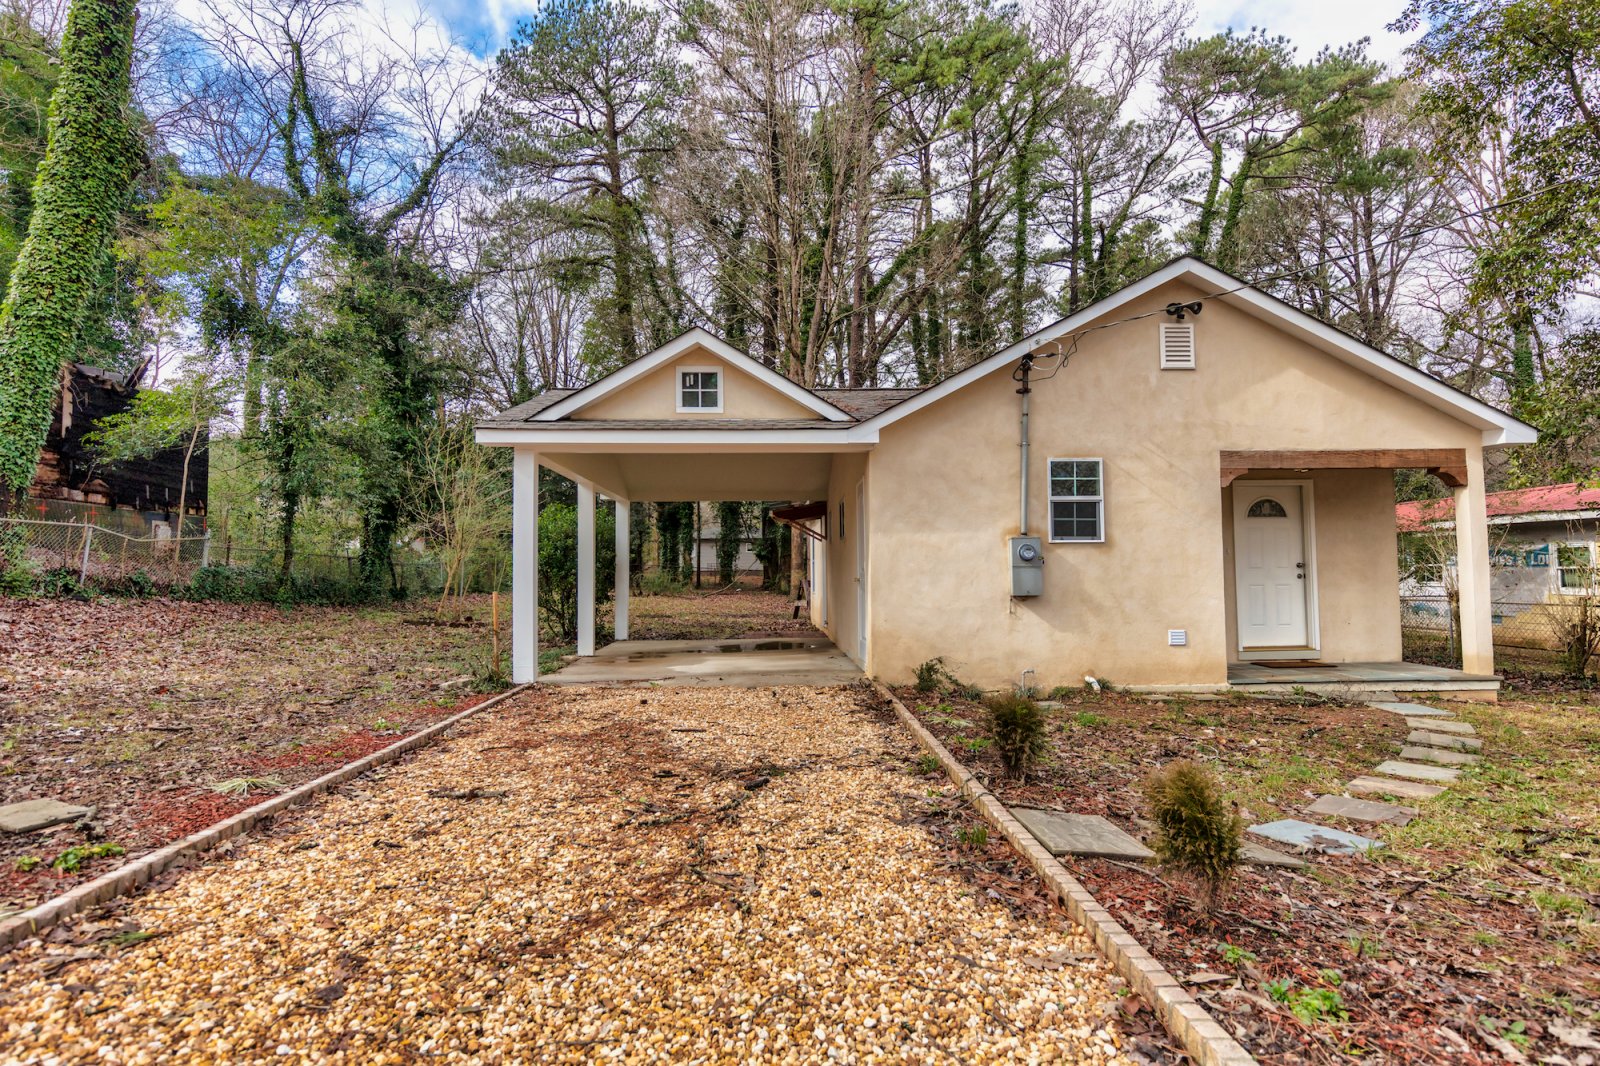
[1051, 499]
[677, 388]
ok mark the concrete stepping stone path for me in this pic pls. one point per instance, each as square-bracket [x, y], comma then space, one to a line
[1447, 725]
[1438, 755]
[1315, 837]
[1414, 771]
[1384, 786]
[1080, 834]
[1360, 810]
[30, 815]
[1413, 710]
[1444, 740]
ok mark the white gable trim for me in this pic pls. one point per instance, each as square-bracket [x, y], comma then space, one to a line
[1498, 427]
[694, 338]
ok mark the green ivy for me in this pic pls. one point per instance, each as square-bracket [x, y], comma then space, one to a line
[82, 185]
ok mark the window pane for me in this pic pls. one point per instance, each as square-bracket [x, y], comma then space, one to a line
[708, 380]
[1075, 520]
[1075, 477]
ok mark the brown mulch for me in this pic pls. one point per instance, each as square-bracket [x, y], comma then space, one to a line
[1436, 954]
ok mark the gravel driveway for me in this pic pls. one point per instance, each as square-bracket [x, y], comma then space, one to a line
[628, 898]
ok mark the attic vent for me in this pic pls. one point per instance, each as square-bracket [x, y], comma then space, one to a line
[1177, 346]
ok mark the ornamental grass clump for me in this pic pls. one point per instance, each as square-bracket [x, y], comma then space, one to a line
[1198, 834]
[1017, 724]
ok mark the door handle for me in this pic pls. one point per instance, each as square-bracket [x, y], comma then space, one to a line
[1302, 577]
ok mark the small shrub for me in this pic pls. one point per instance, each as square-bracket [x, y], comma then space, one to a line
[62, 582]
[1197, 832]
[17, 575]
[138, 585]
[1018, 726]
[931, 675]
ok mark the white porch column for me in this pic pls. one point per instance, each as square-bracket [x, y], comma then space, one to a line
[585, 569]
[524, 566]
[620, 602]
[1473, 581]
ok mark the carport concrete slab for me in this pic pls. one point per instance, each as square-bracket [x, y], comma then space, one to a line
[749, 662]
[1360, 810]
[1315, 837]
[1080, 834]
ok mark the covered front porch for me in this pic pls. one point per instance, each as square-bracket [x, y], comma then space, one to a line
[1312, 572]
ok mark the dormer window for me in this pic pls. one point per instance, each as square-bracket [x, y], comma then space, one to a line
[699, 388]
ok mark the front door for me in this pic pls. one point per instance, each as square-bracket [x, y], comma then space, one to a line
[1272, 568]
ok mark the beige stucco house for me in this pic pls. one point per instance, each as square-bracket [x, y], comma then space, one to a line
[1185, 485]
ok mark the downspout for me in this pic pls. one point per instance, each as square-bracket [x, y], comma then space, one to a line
[1025, 391]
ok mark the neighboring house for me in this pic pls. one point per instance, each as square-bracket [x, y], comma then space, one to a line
[745, 564]
[1175, 499]
[69, 471]
[1542, 541]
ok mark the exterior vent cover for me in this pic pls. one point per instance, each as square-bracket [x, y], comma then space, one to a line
[1177, 346]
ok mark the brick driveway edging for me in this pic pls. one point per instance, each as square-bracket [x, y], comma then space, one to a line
[1189, 1023]
[127, 877]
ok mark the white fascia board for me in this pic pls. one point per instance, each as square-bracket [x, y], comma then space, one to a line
[1499, 429]
[695, 337]
[563, 438]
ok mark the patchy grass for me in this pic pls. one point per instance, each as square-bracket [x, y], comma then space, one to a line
[1476, 928]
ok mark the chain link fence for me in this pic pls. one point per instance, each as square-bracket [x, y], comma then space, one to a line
[1553, 629]
[96, 555]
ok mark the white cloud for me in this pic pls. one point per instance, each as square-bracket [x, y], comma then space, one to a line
[1310, 24]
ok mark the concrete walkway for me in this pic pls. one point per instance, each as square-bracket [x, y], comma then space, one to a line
[750, 663]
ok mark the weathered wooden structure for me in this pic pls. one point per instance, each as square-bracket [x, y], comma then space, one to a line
[69, 470]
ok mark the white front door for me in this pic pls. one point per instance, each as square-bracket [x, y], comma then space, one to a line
[1272, 568]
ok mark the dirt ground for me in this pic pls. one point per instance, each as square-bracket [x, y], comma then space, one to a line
[1472, 937]
[137, 708]
[628, 875]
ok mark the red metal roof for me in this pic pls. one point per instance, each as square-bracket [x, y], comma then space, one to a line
[1540, 499]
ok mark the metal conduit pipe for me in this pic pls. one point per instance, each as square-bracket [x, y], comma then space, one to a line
[1025, 392]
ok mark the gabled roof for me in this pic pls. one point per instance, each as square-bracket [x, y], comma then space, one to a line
[1541, 503]
[1498, 427]
[694, 338]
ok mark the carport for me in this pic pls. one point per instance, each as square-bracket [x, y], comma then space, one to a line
[623, 439]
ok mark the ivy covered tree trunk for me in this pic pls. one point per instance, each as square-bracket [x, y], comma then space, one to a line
[80, 191]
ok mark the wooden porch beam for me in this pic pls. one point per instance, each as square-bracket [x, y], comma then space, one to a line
[1449, 465]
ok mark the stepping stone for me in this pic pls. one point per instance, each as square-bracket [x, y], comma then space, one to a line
[1315, 837]
[1080, 834]
[1413, 710]
[1264, 856]
[1360, 810]
[1384, 786]
[1417, 771]
[1446, 725]
[1443, 758]
[1444, 740]
[29, 815]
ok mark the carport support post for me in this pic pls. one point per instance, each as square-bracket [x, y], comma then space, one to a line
[1473, 581]
[524, 566]
[585, 569]
[620, 597]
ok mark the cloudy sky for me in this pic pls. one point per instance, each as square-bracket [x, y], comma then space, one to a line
[483, 25]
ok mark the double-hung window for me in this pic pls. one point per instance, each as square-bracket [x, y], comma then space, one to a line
[1077, 500]
[699, 389]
